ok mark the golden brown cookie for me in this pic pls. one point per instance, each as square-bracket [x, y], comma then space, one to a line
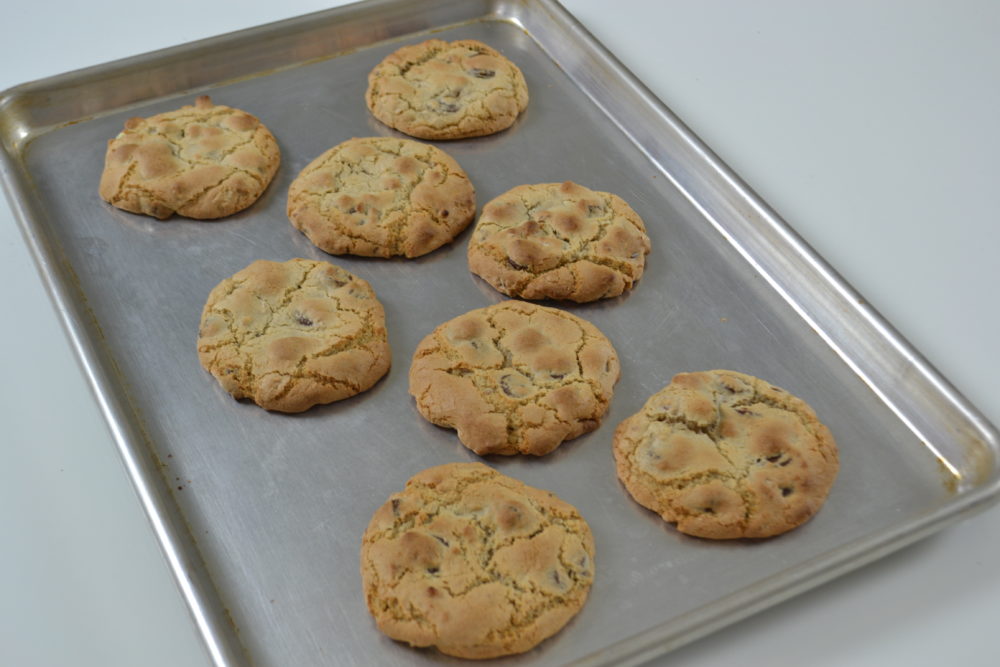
[290, 335]
[203, 161]
[726, 455]
[559, 241]
[381, 196]
[515, 377]
[442, 90]
[475, 563]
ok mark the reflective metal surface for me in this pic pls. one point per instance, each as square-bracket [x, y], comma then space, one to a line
[261, 514]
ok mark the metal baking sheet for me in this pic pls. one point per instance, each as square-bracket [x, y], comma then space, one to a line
[261, 514]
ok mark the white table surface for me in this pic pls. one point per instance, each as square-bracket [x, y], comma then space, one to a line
[871, 126]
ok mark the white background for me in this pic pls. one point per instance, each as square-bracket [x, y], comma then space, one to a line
[870, 125]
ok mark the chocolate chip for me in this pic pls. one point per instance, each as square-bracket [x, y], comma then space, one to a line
[303, 320]
[744, 411]
[785, 462]
[447, 107]
[505, 386]
[444, 213]
[786, 491]
[515, 265]
[774, 458]
[557, 376]
[395, 506]
[481, 73]
[441, 540]
[433, 570]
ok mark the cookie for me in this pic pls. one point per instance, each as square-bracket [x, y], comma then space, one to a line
[204, 161]
[726, 455]
[475, 563]
[291, 335]
[442, 90]
[559, 241]
[380, 197]
[515, 377]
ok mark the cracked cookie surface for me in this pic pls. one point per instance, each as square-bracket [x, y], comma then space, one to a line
[447, 90]
[515, 377]
[202, 161]
[559, 241]
[726, 455]
[291, 335]
[475, 563]
[380, 197]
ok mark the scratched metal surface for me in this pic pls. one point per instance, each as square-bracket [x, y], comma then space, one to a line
[262, 513]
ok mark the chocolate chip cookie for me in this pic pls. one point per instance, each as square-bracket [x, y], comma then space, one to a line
[475, 563]
[380, 197]
[447, 90]
[559, 241]
[291, 335]
[204, 161]
[515, 377]
[726, 455]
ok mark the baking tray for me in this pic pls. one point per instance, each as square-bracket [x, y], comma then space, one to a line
[260, 515]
